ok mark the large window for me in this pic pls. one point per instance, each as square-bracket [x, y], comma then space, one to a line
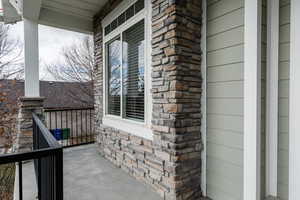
[125, 55]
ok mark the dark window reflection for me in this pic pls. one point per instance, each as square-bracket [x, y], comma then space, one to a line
[114, 76]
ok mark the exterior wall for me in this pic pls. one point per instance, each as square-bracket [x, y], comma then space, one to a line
[171, 162]
[284, 66]
[225, 38]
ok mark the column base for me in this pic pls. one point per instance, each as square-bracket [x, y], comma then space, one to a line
[27, 106]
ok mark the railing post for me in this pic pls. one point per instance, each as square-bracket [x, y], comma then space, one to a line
[59, 175]
[20, 181]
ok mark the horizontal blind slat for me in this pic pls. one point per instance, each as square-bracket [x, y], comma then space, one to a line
[133, 72]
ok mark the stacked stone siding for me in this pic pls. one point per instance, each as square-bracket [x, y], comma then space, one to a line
[27, 106]
[171, 163]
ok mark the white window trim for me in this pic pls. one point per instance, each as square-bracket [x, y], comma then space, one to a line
[203, 98]
[272, 98]
[252, 100]
[141, 129]
[294, 109]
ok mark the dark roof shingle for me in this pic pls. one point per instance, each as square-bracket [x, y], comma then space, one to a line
[58, 94]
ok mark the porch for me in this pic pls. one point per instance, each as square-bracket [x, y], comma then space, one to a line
[246, 75]
[89, 176]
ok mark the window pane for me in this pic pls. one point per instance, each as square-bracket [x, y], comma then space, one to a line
[133, 72]
[114, 24]
[107, 30]
[114, 77]
[130, 12]
[139, 5]
[121, 18]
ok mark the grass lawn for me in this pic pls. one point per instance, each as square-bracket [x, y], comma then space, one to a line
[7, 179]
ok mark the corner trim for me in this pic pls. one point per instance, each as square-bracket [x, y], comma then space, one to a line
[294, 109]
[252, 100]
[272, 97]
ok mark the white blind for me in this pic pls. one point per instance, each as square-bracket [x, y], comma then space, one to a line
[133, 72]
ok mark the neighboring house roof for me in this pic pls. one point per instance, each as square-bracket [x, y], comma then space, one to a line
[58, 94]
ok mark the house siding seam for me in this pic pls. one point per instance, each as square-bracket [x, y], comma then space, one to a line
[171, 163]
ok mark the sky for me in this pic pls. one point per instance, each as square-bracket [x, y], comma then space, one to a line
[51, 42]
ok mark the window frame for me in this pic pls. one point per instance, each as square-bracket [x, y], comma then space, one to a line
[135, 127]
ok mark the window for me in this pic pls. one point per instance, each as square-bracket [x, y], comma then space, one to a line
[125, 55]
[126, 15]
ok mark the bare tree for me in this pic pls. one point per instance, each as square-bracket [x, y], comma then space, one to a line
[11, 66]
[11, 62]
[76, 66]
[8, 119]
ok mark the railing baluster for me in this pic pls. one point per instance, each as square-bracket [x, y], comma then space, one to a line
[86, 128]
[55, 119]
[76, 127]
[81, 129]
[39, 178]
[50, 113]
[72, 132]
[59, 175]
[20, 181]
[67, 127]
[90, 125]
[61, 119]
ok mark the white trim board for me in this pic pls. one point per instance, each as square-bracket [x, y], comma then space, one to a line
[294, 110]
[272, 98]
[252, 99]
[141, 129]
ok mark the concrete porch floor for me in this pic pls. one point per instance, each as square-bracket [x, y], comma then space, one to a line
[88, 176]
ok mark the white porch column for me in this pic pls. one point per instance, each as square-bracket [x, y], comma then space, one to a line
[32, 88]
[272, 98]
[252, 99]
[294, 111]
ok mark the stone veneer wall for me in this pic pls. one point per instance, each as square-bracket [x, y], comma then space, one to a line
[27, 106]
[171, 163]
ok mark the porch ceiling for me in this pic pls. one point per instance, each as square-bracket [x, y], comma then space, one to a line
[75, 15]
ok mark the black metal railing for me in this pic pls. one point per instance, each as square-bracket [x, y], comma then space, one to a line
[48, 170]
[74, 125]
[48, 163]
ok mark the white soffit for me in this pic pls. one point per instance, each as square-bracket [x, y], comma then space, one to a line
[76, 15]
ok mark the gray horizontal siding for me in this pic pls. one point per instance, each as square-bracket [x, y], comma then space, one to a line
[283, 126]
[225, 62]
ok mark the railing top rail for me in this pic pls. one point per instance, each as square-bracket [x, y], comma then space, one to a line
[35, 154]
[68, 109]
[45, 132]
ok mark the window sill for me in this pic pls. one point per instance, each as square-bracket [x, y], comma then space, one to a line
[135, 128]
